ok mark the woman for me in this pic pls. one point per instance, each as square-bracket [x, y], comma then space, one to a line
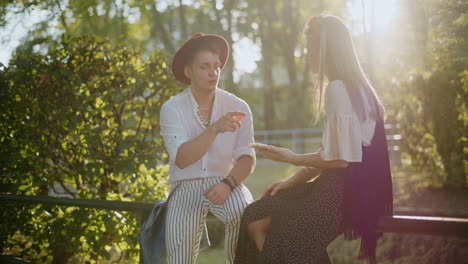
[296, 219]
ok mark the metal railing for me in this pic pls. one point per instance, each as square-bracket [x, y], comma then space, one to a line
[404, 221]
[141, 209]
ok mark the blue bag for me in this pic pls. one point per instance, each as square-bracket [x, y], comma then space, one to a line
[153, 234]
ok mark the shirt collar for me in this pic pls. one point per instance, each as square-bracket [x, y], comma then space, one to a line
[195, 103]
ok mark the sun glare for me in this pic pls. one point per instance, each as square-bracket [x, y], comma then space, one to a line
[377, 14]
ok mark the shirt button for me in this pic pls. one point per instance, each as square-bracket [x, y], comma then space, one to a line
[204, 169]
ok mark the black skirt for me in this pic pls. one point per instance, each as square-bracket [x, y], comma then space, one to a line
[305, 219]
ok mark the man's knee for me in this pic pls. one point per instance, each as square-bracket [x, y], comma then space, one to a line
[234, 214]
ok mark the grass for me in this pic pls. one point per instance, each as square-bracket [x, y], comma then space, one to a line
[212, 255]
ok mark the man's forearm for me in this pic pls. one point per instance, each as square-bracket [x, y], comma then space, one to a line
[241, 169]
[193, 150]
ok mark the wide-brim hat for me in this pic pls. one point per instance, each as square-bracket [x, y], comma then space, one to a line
[180, 58]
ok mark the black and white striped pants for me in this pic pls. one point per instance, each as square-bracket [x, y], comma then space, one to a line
[186, 215]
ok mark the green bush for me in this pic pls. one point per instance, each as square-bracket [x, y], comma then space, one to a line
[82, 121]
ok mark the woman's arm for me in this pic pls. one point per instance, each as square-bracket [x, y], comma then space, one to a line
[307, 160]
[314, 159]
[302, 176]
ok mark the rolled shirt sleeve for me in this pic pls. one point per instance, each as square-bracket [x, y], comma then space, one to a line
[245, 136]
[172, 130]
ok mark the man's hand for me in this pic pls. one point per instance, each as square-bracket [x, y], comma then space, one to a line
[217, 193]
[229, 122]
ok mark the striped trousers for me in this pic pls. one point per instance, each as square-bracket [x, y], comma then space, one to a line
[186, 215]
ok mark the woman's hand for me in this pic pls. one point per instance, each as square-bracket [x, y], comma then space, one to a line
[277, 186]
[276, 153]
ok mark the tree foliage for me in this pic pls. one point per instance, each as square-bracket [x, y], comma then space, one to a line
[81, 121]
[432, 104]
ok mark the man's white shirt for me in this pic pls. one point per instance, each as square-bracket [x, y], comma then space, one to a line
[180, 123]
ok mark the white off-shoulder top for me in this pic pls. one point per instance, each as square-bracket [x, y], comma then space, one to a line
[344, 133]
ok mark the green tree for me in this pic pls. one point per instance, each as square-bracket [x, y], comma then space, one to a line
[445, 97]
[432, 104]
[82, 120]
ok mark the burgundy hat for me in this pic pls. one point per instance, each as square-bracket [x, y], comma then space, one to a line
[179, 61]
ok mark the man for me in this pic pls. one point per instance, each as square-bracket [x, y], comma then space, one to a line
[207, 132]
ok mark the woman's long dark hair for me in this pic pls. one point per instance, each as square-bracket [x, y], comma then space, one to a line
[331, 50]
[367, 184]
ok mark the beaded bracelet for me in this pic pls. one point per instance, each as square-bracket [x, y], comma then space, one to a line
[227, 182]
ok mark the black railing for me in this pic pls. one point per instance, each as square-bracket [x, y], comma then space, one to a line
[12, 260]
[140, 208]
[404, 221]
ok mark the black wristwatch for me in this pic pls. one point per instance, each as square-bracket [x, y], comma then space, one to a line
[226, 181]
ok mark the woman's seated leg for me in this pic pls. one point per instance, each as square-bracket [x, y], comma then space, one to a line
[257, 231]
